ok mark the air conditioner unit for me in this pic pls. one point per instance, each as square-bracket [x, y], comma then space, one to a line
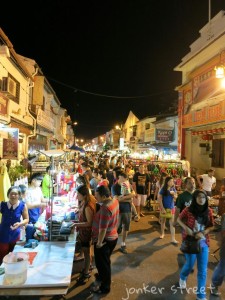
[8, 86]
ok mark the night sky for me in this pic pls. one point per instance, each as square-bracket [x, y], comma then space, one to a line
[116, 48]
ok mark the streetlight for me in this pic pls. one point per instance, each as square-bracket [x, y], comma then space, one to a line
[73, 127]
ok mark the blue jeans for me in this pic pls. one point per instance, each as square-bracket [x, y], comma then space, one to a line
[219, 272]
[202, 263]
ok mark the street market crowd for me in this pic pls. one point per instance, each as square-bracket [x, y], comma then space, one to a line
[111, 192]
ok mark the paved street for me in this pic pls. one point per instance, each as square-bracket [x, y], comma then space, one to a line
[151, 263]
[149, 271]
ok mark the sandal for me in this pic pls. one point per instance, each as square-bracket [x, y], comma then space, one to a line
[98, 290]
[174, 242]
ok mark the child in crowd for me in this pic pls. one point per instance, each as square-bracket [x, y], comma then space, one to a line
[126, 189]
[23, 192]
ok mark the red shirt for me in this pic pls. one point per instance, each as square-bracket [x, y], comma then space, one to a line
[106, 218]
[104, 182]
[189, 219]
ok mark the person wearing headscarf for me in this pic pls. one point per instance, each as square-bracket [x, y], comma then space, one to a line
[197, 221]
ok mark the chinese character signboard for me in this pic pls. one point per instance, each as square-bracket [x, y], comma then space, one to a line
[164, 135]
[10, 143]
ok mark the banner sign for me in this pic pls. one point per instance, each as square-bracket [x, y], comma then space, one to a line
[164, 135]
[10, 143]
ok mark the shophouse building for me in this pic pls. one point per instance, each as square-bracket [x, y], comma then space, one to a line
[201, 107]
[31, 116]
[164, 138]
[130, 131]
[16, 121]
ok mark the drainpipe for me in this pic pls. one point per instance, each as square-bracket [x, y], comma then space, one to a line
[31, 85]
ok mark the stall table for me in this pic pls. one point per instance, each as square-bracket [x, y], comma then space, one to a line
[50, 272]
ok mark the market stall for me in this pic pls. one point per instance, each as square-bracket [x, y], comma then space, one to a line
[50, 268]
[48, 272]
[62, 203]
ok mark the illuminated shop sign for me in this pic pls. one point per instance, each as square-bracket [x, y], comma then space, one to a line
[10, 143]
[164, 135]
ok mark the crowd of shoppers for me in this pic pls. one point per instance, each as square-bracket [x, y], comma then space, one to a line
[109, 194]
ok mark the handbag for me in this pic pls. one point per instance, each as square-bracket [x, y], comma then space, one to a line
[190, 245]
[167, 215]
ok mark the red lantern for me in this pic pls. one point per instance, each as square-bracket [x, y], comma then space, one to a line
[210, 131]
[220, 130]
[214, 130]
[210, 137]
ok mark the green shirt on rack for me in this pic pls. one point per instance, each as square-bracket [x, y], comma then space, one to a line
[47, 186]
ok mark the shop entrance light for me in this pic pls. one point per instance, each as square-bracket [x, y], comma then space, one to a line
[220, 68]
[220, 73]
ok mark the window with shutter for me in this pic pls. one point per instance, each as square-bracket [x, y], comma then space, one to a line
[218, 153]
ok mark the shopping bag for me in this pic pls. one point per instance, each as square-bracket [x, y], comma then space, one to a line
[167, 214]
[190, 245]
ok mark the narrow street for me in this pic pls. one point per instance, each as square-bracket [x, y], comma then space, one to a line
[150, 270]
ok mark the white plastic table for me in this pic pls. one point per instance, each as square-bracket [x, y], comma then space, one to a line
[50, 273]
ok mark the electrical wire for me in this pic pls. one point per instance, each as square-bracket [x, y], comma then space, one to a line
[105, 95]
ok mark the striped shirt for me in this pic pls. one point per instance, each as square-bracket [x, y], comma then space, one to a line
[106, 218]
[189, 219]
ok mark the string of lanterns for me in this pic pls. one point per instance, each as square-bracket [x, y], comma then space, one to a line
[207, 135]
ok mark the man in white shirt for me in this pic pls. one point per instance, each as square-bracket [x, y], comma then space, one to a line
[35, 203]
[207, 181]
[186, 167]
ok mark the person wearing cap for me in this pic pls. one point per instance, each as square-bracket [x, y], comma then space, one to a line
[207, 182]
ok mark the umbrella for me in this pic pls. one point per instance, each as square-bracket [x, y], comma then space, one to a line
[76, 148]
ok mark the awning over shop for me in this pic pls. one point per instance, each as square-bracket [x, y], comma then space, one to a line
[22, 126]
[76, 148]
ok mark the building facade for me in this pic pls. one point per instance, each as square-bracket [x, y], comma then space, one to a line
[201, 107]
[31, 116]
